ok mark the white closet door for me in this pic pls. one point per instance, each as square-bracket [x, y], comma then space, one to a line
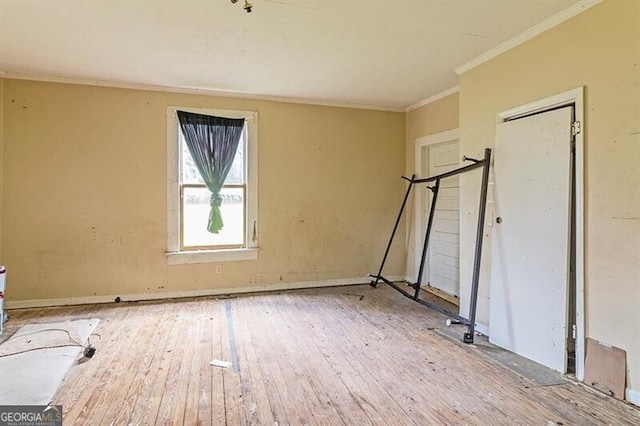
[530, 246]
[444, 247]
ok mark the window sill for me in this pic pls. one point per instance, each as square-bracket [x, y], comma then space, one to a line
[210, 256]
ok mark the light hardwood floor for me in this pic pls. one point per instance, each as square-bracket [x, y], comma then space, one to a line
[336, 356]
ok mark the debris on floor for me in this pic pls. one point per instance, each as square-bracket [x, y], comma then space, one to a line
[219, 363]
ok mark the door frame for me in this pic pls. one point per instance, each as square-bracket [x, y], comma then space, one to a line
[418, 231]
[574, 97]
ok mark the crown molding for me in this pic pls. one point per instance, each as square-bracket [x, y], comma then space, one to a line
[433, 98]
[527, 35]
[193, 91]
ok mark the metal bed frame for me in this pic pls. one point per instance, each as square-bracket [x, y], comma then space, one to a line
[469, 322]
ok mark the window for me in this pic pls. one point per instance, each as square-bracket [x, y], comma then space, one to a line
[188, 240]
[195, 208]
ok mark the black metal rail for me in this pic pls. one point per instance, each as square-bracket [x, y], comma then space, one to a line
[393, 233]
[477, 257]
[475, 165]
[435, 188]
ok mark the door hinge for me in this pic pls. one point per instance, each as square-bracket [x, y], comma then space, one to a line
[576, 128]
[574, 331]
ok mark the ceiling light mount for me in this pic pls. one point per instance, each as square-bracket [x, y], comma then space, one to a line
[247, 6]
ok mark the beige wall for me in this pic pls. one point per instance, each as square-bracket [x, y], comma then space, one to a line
[84, 197]
[598, 49]
[429, 119]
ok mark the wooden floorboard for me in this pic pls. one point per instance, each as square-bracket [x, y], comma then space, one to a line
[335, 356]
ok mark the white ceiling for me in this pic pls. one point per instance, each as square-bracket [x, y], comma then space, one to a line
[382, 53]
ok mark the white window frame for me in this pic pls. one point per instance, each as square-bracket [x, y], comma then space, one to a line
[250, 251]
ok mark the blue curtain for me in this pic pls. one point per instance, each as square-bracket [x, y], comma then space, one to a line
[212, 142]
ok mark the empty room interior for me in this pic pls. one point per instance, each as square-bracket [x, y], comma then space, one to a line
[320, 212]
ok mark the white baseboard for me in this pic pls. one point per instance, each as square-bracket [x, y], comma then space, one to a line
[86, 300]
[633, 396]
[482, 329]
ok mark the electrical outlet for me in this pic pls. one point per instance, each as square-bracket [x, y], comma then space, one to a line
[218, 269]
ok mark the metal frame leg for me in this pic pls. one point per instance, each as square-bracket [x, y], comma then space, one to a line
[393, 233]
[427, 236]
[468, 336]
